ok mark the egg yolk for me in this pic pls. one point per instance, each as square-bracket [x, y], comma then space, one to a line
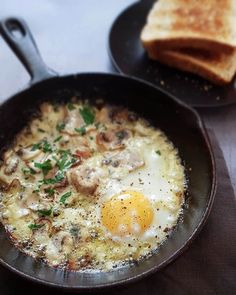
[129, 213]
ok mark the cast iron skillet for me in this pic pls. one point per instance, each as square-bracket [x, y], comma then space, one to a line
[129, 57]
[181, 124]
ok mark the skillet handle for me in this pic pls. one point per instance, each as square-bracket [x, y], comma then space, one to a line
[147, 2]
[18, 36]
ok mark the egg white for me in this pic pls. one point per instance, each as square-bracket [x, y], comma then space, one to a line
[158, 180]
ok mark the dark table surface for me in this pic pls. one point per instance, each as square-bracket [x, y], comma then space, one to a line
[72, 36]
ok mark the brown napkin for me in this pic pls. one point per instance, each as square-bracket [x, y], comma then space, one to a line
[208, 267]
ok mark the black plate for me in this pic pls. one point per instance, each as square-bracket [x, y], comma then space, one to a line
[129, 57]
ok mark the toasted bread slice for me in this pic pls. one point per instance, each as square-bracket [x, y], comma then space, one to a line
[218, 68]
[204, 24]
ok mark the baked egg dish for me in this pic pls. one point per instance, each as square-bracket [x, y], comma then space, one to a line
[90, 187]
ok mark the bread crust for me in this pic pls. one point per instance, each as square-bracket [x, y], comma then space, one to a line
[218, 68]
[174, 24]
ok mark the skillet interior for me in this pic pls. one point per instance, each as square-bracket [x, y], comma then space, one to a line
[182, 125]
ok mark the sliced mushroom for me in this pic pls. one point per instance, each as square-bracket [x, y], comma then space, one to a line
[131, 160]
[113, 139]
[113, 114]
[74, 142]
[33, 201]
[119, 115]
[53, 110]
[58, 246]
[73, 120]
[83, 154]
[103, 116]
[28, 153]
[46, 108]
[14, 187]
[30, 201]
[85, 179]
[11, 164]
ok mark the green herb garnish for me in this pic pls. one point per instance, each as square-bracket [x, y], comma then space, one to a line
[64, 163]
[57, 139]
[71, 107]
[60, 126]
[81, 130]
[45, 166]
[36, 146]
[34, 226]
[28, 171]
[47, 148]
[88, 115]
[44, 145]
[58, 178]
[65, 197]
[158, 152]
[50, 191]
[43, 213]
[63, 152]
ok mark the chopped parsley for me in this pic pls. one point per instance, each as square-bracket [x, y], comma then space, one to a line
[57, 139]
[47, 148]
[36, 146]
[49, 191]
[81, 130]
[28, 171]
[34, 226]
[60, 126]
[70, 106]
[58, 178]
[62, 152]
[45, 166]
[87, 114]
[64, 162]
[65, 197]
[158, 152]
[43, 213]
[44, 145]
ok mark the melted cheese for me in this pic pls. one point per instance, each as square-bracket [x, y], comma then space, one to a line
[65, 177]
